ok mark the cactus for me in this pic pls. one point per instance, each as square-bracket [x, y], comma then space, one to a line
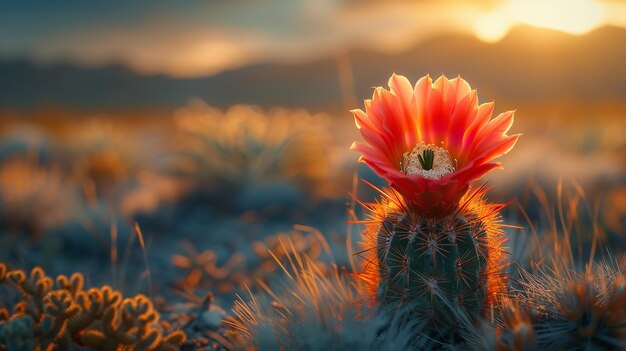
[517, 331]
[572, 310]
[59, 314]
[439, 266]
[431, 242]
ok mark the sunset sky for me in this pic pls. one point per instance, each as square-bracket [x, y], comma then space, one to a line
[200, 38]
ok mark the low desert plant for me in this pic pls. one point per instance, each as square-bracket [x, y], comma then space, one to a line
[56, 314]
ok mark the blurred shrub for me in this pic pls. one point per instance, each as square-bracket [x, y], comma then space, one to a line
[614, 214]
[201, 319]
[33, 198]
[25, 142]
[246, 151]
[151, 191]
[202, 270]
[103, 157]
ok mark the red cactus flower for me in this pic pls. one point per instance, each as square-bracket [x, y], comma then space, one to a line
[431, 140]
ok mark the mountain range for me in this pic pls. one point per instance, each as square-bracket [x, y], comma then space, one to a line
[529, 64]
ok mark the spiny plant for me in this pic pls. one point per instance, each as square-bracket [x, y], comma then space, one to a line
[59, 314]
[430, 242]
[314, 311]
[565, 298]
[570, 310]
[317, 310]
[436, 265]
[517, 332]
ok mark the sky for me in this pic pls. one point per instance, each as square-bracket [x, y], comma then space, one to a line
[202, 38]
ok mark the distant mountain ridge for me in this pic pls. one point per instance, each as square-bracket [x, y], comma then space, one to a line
[529, 64]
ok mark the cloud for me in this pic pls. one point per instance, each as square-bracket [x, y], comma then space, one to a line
[201, 38]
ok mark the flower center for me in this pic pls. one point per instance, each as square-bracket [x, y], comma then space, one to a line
[427, 160]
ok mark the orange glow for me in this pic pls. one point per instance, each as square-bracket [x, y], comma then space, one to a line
[570, 16]
[225, 41]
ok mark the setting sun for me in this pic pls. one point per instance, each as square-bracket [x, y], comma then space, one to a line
[570, 16]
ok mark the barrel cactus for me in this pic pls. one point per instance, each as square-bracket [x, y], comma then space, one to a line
[448, 269]
[430, 242]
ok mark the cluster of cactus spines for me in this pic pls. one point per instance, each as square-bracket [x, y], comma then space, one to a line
[439, 266]
[99, 318]
[574, 310]
[518, 331]
[594, 320]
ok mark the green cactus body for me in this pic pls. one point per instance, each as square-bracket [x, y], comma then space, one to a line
[435, 264]
[446, 271]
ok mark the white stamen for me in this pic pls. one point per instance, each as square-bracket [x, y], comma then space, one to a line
[442, 163]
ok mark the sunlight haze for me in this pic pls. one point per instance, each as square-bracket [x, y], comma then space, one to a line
[196, 39]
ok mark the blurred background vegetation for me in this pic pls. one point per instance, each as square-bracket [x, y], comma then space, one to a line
[215, 127]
